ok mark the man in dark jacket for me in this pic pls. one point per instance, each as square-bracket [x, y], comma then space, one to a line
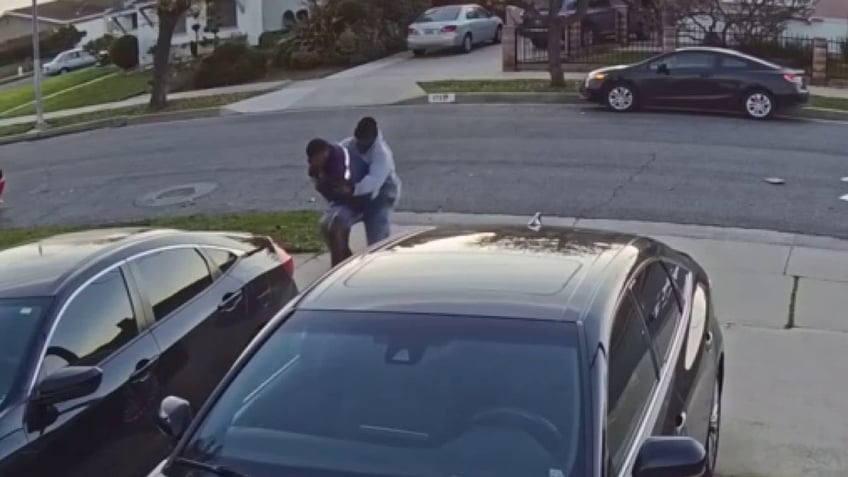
[335, 171]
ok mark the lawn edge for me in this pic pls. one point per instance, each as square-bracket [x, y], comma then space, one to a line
[113, 122]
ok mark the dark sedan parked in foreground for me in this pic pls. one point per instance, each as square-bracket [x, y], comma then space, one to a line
[501, 352]
[699, 78]
[97, 327]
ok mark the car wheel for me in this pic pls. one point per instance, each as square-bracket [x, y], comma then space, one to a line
[467, 43]
[759, 104]
[713, 431]
[498, 35]
[621, 97]
[418, 52]
[63, 71]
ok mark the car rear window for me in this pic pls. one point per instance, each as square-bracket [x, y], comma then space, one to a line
[385, 394]
[441, 14]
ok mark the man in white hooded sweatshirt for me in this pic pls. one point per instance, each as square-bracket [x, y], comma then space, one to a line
[381, 183]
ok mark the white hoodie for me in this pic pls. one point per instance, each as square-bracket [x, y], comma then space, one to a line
[381, 168]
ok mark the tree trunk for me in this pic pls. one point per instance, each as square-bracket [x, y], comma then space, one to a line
[161, 61]
[555, 41]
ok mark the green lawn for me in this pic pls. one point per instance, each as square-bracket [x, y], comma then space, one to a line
[132, 111]
[21, 95]
[114, 88]
[829, 103]
[296, 231]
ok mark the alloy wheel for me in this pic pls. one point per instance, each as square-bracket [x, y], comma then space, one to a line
[713, 431]
[759, 105]
[620, 98]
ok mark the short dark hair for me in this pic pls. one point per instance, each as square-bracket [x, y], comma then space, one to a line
[366, 127]
[316, 146]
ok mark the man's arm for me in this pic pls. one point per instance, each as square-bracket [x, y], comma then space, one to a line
[382, 164]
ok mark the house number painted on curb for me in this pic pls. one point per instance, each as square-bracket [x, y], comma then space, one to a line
[442, 98]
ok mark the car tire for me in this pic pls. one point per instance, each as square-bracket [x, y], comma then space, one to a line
[758, 104]
[498, 35]
[418, 52]
[64, 71]
[713, 432]
[620, 97]
[467, 43]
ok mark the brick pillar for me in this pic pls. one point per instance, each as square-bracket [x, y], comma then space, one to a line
[669, 38]
[819, 76]
[622, 26]
[509, 49]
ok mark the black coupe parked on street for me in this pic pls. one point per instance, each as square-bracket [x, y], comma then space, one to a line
[501, 352]
[97, 327]
[699, 78]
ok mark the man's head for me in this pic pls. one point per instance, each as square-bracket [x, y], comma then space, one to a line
[366, 134]
[317, 152]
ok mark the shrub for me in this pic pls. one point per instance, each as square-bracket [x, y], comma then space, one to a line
[19, 50]
[230, 64]
[96, 46]
[124, 52]
[305, 60]
[271, 39]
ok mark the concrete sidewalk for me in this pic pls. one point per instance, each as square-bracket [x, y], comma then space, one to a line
[782, 301]
[144, 99]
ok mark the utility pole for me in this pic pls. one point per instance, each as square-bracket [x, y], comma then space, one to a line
[40, 124]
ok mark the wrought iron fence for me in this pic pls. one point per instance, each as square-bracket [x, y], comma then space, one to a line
[837, 59]
[584, 48]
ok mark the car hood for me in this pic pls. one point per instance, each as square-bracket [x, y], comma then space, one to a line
[607, 69]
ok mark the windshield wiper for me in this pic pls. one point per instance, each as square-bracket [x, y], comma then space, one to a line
[212, 468]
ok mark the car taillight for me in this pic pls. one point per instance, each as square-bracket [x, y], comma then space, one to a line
[794, 79]
[449, 29]
[286, 259]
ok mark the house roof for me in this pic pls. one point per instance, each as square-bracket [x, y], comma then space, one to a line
[64, 11]
[831, 9]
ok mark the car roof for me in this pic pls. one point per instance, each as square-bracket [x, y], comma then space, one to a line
[39, 268]
[496, 271]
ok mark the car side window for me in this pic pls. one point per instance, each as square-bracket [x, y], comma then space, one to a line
[689, 59]
[222, 259]
[172, 278]
[631, 379]
[660, 306]
[96, 323]
[471, 14]
[728, 62]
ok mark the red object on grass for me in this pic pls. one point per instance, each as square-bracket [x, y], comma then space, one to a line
[2, 185]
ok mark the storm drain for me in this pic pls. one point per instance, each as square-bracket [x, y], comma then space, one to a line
[177, 195]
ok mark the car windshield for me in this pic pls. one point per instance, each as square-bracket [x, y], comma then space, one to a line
[443, 14]
[379, 394]
[19, 320]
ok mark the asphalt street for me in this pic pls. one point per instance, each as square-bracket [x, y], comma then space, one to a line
[509, 159]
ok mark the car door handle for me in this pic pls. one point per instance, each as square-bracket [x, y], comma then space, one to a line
[143, 369]
[230, 301]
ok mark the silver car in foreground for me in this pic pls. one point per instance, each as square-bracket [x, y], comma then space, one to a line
[453, 26]
[69, 61]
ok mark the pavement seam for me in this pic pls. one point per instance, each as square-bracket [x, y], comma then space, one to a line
[793, 297]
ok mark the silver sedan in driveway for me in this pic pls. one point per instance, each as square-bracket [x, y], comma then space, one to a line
[453, 26]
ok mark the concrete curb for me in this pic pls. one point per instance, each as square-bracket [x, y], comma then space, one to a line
[12, 79]
[707, 232]
[574, 98]
[115, 122]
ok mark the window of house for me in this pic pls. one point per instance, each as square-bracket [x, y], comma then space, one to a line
[224, 13]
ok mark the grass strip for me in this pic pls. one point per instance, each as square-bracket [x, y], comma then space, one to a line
[176, 105]
[296, 231]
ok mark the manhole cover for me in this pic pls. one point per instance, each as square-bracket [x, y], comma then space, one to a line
[177, 195]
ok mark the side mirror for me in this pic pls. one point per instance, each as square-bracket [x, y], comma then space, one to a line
[671, 457]
[662, 69]
[68, 383]
[174, 417]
